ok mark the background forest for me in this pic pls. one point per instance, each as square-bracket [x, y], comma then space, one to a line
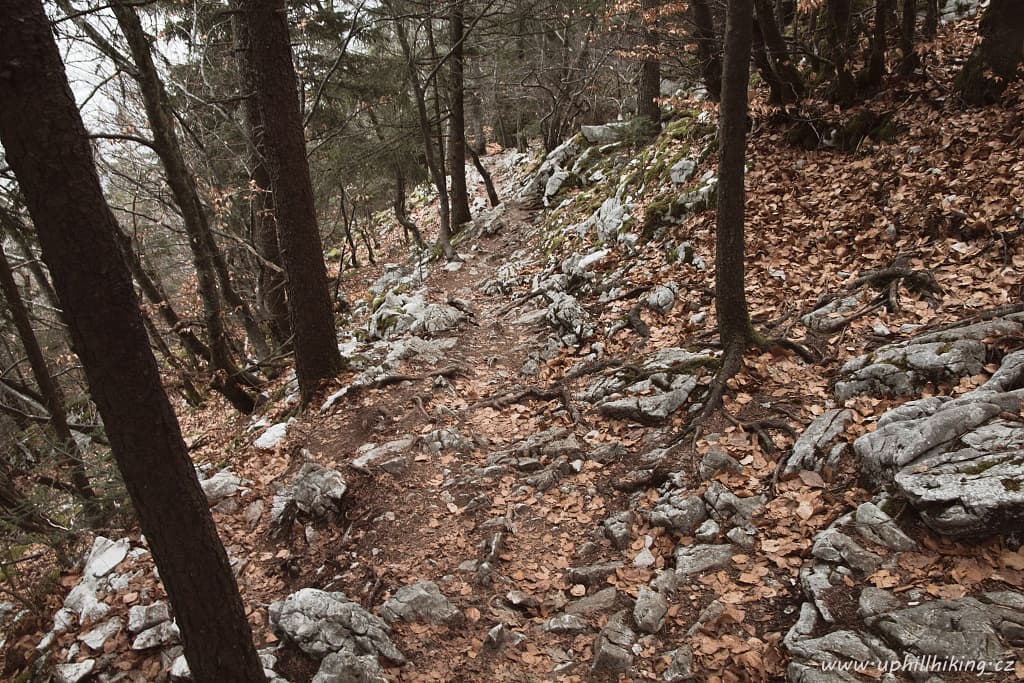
[493, 275]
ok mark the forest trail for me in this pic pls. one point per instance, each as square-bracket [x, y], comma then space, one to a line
[498, 474]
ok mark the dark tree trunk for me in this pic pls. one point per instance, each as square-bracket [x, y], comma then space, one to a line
[188, 389]
[154, 292]
[1002, 34]
[931, 19]
[309, 297]
[409, 226]
[17, 230]
[492, 193]
[47, 147]
[272, 284]
[436, 172]
[457, 123]
[730, 296]
[346, 224]
[708, 47]
[649, 85]
[872, 79]
[840, 30]
[50, 391]
[790, 83]
[226, 375]
[908, 59]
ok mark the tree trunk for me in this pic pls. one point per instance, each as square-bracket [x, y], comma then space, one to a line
[436, 172]
[708, 48]
[872, 79]
[791, 85]
[272, 283]
[730, 296]
[457, 122]
[226, 375]
[492, 193]
[649, 85]
[909, 59]
[17, 231]
[401, 215]
[931, 19]
[50, 391]
[309, 299]
[1002, 34]
[156, 295]
[840, 29]
[47, 148]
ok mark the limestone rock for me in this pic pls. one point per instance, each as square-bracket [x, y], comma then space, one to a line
[649, 610]
[613, 651]
[142, 617]
[699, 558]
[320, 623]
[423, 602]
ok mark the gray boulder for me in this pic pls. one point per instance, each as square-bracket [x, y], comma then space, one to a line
[423, 602]
[662, 299]
[814, 449]
[679, 512]
[613, 649]
[651, 410]
[570, 318]
[318, 490]
[650, 610]
[682, 171]
[694, 559]
[349, 667]
[321, 623]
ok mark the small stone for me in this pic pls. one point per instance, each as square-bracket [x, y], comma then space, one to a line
[74, 673]
[613, 650]
[96, 637]
[708, 531]
[566, 623]
[716, 461]
[142, 617]
[592, 574]
[698, 558]
[104, 556]
[522, 600]
[165, 633]
[501, 636]
[680, 669]
[270, 439]
[601, 601]
[649, 611]
[421, 601]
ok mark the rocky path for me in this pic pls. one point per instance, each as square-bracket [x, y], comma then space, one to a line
[494, 492]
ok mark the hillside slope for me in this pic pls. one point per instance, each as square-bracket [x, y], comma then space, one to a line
[503, 486]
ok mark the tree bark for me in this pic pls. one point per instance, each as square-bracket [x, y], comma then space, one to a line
[790, 83]
[50, 391]
[226, 374]
[708, 48]
[876, 60]
[436, 172]
[649, 84]
[1002, 34]
[457, 121]
[730, 296]
[492, 193]
[839, 13]
[47, 148]
[309, 299]
[272, 284]
[909, 59]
